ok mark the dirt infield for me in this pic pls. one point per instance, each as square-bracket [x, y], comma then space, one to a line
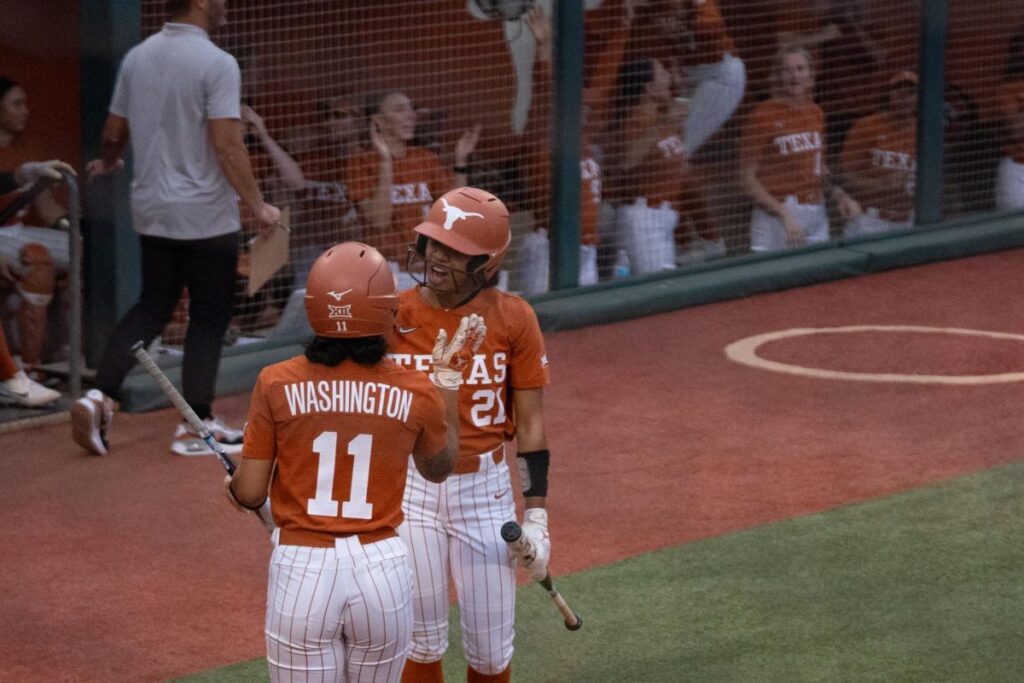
[133, 566]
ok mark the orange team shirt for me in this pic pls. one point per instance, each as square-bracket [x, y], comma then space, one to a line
[660, 175]
[1010, 103]
[876, 148]
[326, 210]
[786, 143]
[418, 180]
[511, 357]
[341, 438]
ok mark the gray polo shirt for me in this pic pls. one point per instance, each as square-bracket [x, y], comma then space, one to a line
[168, 88]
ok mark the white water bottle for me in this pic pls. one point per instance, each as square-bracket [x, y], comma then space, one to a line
[621, 268]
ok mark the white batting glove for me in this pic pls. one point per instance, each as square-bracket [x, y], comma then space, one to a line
[535, 534]
[33, 171]
[451, 359]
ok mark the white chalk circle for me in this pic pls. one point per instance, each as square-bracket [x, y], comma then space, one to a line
[744, 351]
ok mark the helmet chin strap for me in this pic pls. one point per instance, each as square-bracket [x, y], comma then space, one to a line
[477, 276]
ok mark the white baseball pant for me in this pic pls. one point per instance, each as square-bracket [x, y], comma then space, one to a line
[535, 262]
[454, 528]
[718, 93]
[1010, 185]
[648, 235]
[870, 223]
[768, 234]
[338, 614]
[14, 237]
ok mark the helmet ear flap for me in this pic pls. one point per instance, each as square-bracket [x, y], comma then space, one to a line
[421, 245]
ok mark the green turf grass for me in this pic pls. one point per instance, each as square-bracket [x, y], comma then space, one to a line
[923, 586]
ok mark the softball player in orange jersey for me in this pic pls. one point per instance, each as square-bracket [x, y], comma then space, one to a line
[782, 162]
[453, 528]
[330, 432]
[879, 162]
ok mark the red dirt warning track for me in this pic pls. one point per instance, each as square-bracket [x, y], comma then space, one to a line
[133, 566]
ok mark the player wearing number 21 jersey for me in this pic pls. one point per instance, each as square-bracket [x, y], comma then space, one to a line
[452, 529]
[330, 433]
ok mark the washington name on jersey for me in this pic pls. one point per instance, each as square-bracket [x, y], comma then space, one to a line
[348, 396]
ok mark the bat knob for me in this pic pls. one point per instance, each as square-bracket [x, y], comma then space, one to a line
[511, 531]
[577, 625]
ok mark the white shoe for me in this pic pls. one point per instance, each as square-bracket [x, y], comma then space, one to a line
[188, 442]
[21, 390]
[701, 249]
[91, 416]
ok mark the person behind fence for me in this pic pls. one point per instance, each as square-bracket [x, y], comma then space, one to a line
[395, 182]
[16, 387]
[782, 162]
[535, 252]
[34, 244]
[178, 97]
[879, 162]
[336, 543]
[693, 34]
[452, 528]
[647, 159]
[1010, 105]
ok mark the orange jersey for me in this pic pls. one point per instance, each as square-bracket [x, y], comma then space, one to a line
[341, 438]
[511, 357]
[786, 143]
[877, 148]
[418, 180]
[660, 176]
[1010, 104]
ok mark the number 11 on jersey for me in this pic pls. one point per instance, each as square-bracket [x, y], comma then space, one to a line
[356, 507]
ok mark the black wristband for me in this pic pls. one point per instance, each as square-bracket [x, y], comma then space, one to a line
[461, 169]
[533, 473]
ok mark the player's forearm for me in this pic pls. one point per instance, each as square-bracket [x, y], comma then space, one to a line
[437, 468]
[113, 140]
[48, 208]
[758, 193]
[286, 167]
[234, 162]
[378, 207]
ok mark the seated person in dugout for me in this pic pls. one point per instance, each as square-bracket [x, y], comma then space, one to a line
[879, 162]
[782, 162]
[17, 388]
[34, 247]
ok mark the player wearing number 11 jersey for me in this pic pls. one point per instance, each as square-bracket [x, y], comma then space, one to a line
[452, 529]
[330, 433]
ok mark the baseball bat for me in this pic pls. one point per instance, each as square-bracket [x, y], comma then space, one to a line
[139, 349]
[512, 534]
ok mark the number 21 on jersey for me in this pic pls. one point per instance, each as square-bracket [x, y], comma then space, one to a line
[356, 507]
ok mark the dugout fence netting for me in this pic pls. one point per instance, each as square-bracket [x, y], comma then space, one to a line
[671, 119]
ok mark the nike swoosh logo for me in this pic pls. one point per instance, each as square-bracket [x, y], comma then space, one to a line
[499, 495]
[407, 330]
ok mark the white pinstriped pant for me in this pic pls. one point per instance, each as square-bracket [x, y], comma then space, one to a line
[338, 614]
[454, 527]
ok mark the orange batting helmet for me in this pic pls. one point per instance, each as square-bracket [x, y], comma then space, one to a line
[351, 293]
[472, 222]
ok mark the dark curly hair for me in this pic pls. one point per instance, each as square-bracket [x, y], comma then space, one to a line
[331, 352]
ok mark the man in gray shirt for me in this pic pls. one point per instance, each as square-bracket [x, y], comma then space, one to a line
[178, 97]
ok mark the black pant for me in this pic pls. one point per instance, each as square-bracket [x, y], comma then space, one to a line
[207, 268]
